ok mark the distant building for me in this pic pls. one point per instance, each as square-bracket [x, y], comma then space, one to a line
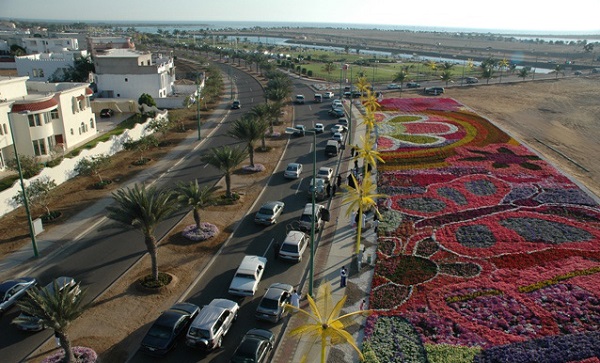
[49, 45]
[124, 73]
[41, 67]
[44, 117]
[99, 44]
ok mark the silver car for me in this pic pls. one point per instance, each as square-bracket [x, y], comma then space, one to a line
[268, 213]
[12, 290]
[271, 304]
[293, 171]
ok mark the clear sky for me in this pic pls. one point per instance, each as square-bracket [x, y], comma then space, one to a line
[535, 15]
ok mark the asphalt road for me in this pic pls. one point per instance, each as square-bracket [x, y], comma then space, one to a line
[103, 254]
[251, 239]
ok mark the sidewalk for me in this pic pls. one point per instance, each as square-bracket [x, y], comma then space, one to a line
[54, 241]
[335, 250]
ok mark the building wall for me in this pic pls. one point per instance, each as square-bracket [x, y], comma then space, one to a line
[40, 67]
[47, 45]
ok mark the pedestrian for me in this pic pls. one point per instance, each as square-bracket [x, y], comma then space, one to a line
[360, 258]
[351, 182]
[343, 276]
[363, 305]
[375, 225]
[57, 337]
[328, 190]
[352, 151]
[339, 181]
[333, 190]
[295, 299]
[276, 250]
[353, 219]
[356, 164]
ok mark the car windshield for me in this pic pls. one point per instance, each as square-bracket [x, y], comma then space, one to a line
[246, 352]
[323, 173]
[266, 211]
[269, 304]
[158, 331]
[292, 168]
[199, 333]
[306, 218]
[286, 247]
[244, 276]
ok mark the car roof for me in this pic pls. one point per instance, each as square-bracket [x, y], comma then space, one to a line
[211, 312]
[294, 164]
[169, 318]
[308, 208]
[276, 289]
[294, 236]
[271, 205]
[325, 168]
[249, 263]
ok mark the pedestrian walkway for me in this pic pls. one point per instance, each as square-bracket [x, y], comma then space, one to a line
[335, 250]
[52, 242]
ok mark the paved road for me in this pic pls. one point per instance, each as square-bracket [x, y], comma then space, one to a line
[100, 256]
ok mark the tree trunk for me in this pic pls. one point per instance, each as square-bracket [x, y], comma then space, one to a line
[359, 227]
[197, 218]
[251, 154]
[228, 185]
[65, 344]
[153, 251]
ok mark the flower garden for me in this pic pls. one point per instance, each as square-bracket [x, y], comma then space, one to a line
[486, 252]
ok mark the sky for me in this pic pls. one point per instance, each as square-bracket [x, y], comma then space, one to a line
[529, 15]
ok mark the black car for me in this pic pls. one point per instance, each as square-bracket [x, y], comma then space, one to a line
[336, 112]
[236, 105]
[413, 85]
[106, 113]
[163, 334]
[254, 347]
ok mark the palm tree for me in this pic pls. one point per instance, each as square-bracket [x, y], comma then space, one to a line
[329, 67]
[432, 65]
[502, 64]
[558, 69]
[361, 198]
[249, 129]
[446, 76]
[197, 197]
[369, 155]
[370, 102]
[226, 159]
[401, 77]
[56, 308]
[362, 84]
[523, 73]
[266, 113]
[487, 74]
[325, 323]
[143, 209]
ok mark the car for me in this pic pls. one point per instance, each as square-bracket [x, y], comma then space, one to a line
[236, 105]
[319, 128]
[167, 328]
[342, 121]
[318, 97]
[413, 85]
[337, 128]
[247, 276]
[321, 213]
[337, 112]
[578, 73]
[328, 95]
[255, 347]
[106, 113]
[393, 86]
[347, 94]
[211, 324]
[325, 173]
[13, 290]
[293, 171]
[356, 94]
[28, 322]
[471, 80]
[337, 103]
[332, 148]
[293, 246]
[300, 99]
[271, 306]
[300, 130]
[434, 91]
[338, 136]
[268, 213]
[320, 190]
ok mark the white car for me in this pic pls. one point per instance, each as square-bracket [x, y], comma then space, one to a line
[325, 173]
[338, 136]
[211, 324]
[248, 275]
[300, 99]
[319, 128]
[268, 213]
[336, 104]
[293, 171]
[328, 95]
[338, 129]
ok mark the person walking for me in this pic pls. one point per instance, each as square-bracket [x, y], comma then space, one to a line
[352, 151]
[339, 181]
[295, 299]
[333, 190]
[328, 190]
[343, 276]
[356, 164]
[375, 225]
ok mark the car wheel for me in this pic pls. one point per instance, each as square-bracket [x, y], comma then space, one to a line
[220, 342]
[235, 317]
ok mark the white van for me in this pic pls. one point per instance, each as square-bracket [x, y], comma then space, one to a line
[293, 246]
[332, 148]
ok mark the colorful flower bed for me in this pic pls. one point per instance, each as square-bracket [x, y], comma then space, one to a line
[490, 253]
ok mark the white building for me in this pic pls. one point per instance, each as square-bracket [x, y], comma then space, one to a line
[48, 45]
[44, 117]
[124, 73]
[100, 44]
[40, 67]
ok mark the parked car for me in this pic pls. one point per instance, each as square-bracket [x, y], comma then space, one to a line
[300, 99]
[255, 347]
[300, 130]
[337, 103]
[434, 91]
[271, 305]
[211, 324]
[328, 95]
[471, 80]
[106, 113]
[13, 290]
[393, 86]
[319, 128]
[293, 246]
[413, 85]
[347, 94]
[293, 171]
[321, 216]
[325, 173]
[342, 121]
[28, 322]
[320, 189]
[332, 148]
[268, 213]
[167, 328]
[338, 136]
[248, 275]
[236, 105]
[338, 129]
[318, 98]
[337, 112]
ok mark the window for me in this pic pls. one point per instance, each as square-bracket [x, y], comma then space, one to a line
[126, 80]
[91, 123]
[41, 72]
[51, 142]
[5, 129]
[34, 120]
[72, 133]
[1, 132]
[54, 114]
[39, 147]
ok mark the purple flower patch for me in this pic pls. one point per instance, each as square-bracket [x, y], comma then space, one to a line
[481, 187]
[206, 231]
[541, 230]
[427, 205]
[475, 236]
[453, 194]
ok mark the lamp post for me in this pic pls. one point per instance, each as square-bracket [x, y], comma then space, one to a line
[198, 106]
[289, 131]
[25, 199]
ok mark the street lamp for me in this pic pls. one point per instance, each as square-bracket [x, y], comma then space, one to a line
[25, 199]
[198, 106]
[290, 131]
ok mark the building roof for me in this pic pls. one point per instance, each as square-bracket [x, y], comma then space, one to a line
[34, 105]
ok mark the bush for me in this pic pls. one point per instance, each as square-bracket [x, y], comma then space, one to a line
[29, 166]
[149, 282]
[82, 355]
